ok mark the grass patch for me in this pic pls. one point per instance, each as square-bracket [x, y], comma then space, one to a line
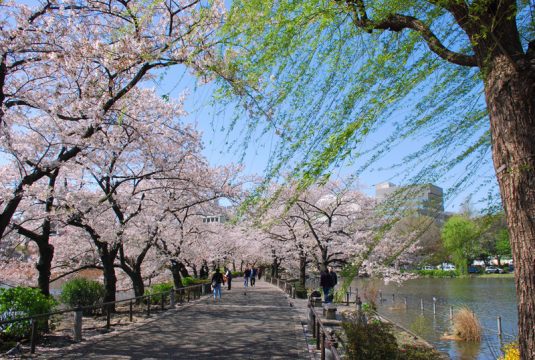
[438, 273]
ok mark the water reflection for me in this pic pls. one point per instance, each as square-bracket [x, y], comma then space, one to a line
[486, 297]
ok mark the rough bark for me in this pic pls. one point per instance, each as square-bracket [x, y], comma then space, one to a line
[110, 279]
[44, 265]
[177, 278]
[510, 96]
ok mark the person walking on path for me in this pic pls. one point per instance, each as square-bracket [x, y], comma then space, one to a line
[326, 284]
[246, 276]
[253, 276]
[217, 280]
[228, 274]
[334, 281]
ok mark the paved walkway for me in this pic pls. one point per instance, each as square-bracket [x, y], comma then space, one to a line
[259, 325]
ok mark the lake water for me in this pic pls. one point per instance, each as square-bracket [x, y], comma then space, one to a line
[488, 298]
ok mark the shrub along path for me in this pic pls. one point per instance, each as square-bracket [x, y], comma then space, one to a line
[259, 325]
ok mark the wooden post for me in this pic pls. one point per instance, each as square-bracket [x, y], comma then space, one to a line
[33, 338]
[380, 296]
[130, 311]
[172, 297]
[451, 312]
[434, 306]
[499, 326]
[405, 301]
[78, 324]
[148, 305]
[393, 298]
[347, 299]
[422, 305]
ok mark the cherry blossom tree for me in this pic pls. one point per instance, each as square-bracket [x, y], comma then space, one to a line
[65, 66]
[188, 239]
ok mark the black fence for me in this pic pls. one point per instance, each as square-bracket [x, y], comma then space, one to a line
[143, 305]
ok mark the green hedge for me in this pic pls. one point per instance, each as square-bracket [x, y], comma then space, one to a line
[21, 302]
[82, 292]
[188, 281]
[159, 288]
[438, 273]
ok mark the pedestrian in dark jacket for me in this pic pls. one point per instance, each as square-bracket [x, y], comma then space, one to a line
[334, 281]
[246, 276]
[253, 276]
[326, 284]
[217, 280]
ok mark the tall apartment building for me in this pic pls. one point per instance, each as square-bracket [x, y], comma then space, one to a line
[426, 199]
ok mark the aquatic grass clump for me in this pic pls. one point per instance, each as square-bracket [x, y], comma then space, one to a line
[370, 292]
[466, 325]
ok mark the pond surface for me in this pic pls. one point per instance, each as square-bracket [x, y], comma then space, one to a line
[488, 298]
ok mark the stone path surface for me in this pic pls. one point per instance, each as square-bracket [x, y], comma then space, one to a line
[259, 325]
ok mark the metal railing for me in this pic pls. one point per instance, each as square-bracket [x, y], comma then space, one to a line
[325, 337]
[286, 286]
[143, 304]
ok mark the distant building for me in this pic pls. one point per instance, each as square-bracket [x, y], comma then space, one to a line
[426, 199]
[215, 218]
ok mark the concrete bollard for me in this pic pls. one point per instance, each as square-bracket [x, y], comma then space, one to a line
[330, 313]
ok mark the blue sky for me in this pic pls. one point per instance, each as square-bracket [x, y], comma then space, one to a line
[212, 120]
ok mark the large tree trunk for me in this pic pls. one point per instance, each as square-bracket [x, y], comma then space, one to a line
[110, 279]
[43, 266]
[137, 283]
[177, 278]
[134, 274]
[510, 96]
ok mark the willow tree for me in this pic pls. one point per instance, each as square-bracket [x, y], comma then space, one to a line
[325, 75]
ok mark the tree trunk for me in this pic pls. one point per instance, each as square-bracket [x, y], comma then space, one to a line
[177, 278]
[43, 266]
[510, 96]
[302, 270]
[110, 279]
[137, 280]
[137, 283]
[183, 270]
